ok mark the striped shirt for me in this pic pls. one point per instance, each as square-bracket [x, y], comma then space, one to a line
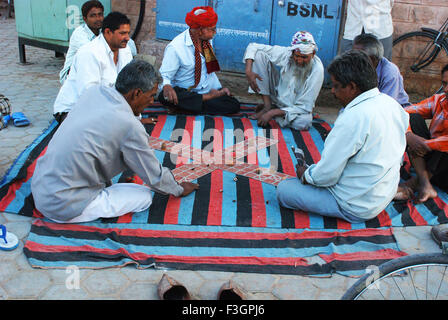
[436, 109]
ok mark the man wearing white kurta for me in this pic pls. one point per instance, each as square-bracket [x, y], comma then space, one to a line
[93, 16]
[357, 175]
[72, 181]
[97, 62]
[294, 89]
[369, 16]
[92, 12]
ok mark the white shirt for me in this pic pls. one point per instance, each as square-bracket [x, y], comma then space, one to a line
[80, 36]
[361, 159]
[372, 15]
[93, 64]
[177, 67]
[295, 95]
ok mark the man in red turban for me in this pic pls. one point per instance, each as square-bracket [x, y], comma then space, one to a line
[188, 69]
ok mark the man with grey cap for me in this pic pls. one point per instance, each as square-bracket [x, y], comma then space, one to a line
[288, 94]
[72, 181]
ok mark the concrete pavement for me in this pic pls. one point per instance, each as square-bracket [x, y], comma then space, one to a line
[32, 89]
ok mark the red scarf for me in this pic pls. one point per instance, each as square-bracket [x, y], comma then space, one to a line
[210, 59]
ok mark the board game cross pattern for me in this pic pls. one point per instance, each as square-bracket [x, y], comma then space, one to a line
[229, 159]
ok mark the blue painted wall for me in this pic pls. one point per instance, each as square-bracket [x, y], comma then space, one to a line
[264, 21]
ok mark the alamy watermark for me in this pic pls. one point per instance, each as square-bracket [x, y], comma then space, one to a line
[72, 282]
[74, 17]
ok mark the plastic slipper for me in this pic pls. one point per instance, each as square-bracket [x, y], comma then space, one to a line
[19, 119]
[5, 120]
[8, 240]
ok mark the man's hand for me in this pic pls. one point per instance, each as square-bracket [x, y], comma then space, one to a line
[252, 79]
[417, 145]
[169, 94]
[225, 91]
[213, 94]
[188, 188]
[264, 119]
[300, 170]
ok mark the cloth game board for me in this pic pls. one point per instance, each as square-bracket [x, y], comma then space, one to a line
[232, 223]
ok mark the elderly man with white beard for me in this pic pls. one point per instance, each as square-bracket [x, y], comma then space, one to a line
[288, 94]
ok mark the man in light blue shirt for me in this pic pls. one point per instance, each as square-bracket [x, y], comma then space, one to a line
[360, 164]
[390, 80]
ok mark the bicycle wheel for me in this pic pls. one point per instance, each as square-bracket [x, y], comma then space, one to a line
[415, 277]
[416, 50]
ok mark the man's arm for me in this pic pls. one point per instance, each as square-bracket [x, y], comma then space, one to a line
[168, 69]
[426, 109]
[423, 108]
[252, 76]
[141, 159]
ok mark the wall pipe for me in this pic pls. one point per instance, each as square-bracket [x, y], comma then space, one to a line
[140, 19]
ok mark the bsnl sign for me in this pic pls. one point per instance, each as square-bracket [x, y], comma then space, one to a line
[308, 10]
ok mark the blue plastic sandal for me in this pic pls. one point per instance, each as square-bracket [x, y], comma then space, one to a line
[8, 240]
[5, 120]
[19, 119]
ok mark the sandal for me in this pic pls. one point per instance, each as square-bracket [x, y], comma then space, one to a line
[4, 122]
[19, 119]
[8, 240]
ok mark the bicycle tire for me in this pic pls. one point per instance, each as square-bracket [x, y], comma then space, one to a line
[407, 50]
[424, 34]
[428, 34]
[393, 267]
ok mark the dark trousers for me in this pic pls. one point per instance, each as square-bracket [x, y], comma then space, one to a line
[436, 161]
[191, 102]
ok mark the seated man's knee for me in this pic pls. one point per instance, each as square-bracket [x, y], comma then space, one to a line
[285, 189]
[234, 105]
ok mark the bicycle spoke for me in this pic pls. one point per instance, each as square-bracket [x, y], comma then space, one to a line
[413, 284]
[399, 289]
[441, 282]
[426, 290]
[406, 278]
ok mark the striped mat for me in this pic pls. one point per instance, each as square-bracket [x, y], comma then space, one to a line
[233, 223]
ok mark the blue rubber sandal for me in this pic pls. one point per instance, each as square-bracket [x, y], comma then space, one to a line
[5, 121]
[8, 240]
[19, 119]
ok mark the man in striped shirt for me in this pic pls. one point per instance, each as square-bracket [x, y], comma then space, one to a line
[428, 147]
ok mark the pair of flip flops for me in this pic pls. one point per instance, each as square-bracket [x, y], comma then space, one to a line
[18, 119]
[8, 240]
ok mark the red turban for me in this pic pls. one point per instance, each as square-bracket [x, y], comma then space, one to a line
[201, 17]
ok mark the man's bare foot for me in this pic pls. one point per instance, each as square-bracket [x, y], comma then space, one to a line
[425, 192]
[262, 111]
[403, 193]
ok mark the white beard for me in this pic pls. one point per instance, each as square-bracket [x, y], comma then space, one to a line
[301, 72]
